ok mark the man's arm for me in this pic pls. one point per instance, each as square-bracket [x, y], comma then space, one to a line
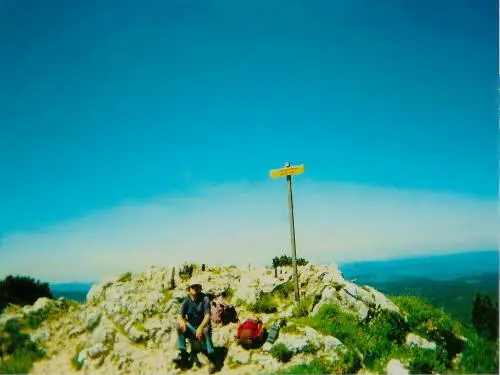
[181, 318]
[206, 309]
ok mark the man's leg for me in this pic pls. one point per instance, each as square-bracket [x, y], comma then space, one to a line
[207, 339]
[181, 343]
[182, 336]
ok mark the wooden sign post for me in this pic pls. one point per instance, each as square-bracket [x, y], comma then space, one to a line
[288, 171]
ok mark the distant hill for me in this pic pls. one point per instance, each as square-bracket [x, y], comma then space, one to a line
[439, 267]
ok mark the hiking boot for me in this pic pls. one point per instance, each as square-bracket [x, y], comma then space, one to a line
[181, 358]
[212, 368]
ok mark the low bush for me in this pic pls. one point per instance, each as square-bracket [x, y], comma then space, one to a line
[310, 349]
[186, 271]
[22, 291]
[432, 323]
[301, 310]
[35, 319]
[284, 291]
[480, 356]
[427, 361]
[264, 305]
[281, 353]
[17, 351]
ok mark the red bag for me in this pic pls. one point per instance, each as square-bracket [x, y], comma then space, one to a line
[251, 332]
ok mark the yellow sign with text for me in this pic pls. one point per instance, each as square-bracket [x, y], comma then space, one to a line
[287, 171]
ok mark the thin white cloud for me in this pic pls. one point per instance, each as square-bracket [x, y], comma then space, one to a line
[245, 223]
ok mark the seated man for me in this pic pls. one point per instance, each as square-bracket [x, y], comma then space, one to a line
[194, 323]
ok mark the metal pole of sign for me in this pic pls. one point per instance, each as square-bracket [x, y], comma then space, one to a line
[292, 236]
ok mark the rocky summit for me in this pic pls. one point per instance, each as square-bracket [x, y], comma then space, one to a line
[127, 324]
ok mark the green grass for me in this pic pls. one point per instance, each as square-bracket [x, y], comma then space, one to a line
[316, 366]
[17, 351]
[480, 356]
[240, 303]
[167, 294]
[127, 276]
[290, 328]
[383, 337]
[348, 363]
[432, 323]
[265, 304]
[229, 294]
[455, 296]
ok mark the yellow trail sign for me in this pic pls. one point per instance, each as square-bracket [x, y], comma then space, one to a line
[287, 171]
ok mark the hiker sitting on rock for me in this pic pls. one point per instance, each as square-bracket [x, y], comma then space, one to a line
[194, 323]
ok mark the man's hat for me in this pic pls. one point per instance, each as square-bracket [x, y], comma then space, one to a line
[193, 283]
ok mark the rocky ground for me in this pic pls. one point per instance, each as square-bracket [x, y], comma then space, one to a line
[127, 324]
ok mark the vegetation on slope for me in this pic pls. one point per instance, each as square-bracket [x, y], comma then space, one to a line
[455, 295]
[372, 344]
[17, 351]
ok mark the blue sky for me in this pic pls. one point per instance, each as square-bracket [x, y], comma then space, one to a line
[142, 127]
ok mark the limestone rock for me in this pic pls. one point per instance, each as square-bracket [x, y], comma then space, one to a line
[75, 331]
[42, 305]
[97, 350]
[92, 319]
[41, 335]
[331, 343]
[395, 367]
[413, 339]
[313, 336]
[237, 355]
[293, 342]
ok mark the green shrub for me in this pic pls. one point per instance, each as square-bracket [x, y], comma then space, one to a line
[284, 291]
[349, 363]
[310, 349]
[17, 351]
[286, 261]
[301, 310]
[22, 291]
[35, 319]
[281, 353]
[427, 361]
[124, 277]
[186, 271]
[389, 325]
[432, 323]
[316, 366]
[264, 305]
[480, 356]
[485, 316]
